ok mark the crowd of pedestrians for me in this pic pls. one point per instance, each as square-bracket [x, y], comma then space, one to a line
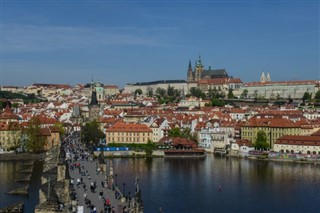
[85, 172]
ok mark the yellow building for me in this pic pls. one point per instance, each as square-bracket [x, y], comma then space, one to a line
[10, 130]
[9, 136]
[122, 132]
[273, 127]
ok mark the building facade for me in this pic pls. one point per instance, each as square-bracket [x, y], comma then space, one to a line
[273, 127]
[283, 89]
[122, 132]
[298, 144]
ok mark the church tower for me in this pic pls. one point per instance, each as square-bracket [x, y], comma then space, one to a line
[94, 108]
[190, 73]
[262, 78]
[268, 79]
[198, 69]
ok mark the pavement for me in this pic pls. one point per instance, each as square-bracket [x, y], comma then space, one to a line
[85, 168]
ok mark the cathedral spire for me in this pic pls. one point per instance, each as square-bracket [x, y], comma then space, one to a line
[262, 78]
[190, 73]
[268, 79]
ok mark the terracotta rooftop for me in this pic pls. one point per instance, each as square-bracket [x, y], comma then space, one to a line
[128, 127]
[299, 140]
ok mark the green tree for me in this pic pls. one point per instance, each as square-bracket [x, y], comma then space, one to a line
[306, 97]
[230, 94]
[261, 141]
[150, 92]
[217, 102]
[92, 134]
[174, 132]
[317, 96]
[244, 94]
[170, 91]
[35, 141]
[161, 92]
[183, 133]
[137, 92]
[148, 149]
[196, 92]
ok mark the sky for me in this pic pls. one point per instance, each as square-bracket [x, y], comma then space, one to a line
[120, 42]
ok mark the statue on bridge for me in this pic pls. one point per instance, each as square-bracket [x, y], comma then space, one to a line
[138, 192]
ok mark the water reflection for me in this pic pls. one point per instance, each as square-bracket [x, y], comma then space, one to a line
[11, 171]
[218, 184]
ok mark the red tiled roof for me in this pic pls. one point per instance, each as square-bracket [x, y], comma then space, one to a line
[128, 127]
[175, 141]
[317, 133]
[299, 140]
[8, 114]
[244, 142]
[271, 122]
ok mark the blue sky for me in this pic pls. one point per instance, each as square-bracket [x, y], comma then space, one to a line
[119, 42]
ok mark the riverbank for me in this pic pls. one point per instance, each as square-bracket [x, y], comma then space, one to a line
[21, 156]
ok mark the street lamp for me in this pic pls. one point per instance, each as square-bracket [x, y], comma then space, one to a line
[116, 175]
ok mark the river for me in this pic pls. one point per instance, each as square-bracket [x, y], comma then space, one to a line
[213, 184]
[10, 171]
[218, 184]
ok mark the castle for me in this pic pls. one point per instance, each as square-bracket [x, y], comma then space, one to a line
[199, 73]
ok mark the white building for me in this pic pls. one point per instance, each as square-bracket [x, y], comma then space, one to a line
[284, 89]
[298, 144]
[212, 137]
[160, 128]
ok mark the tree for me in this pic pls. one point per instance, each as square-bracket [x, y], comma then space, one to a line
[244, 94]
[184, 133]
[261, 141]
[137, 92]
[174, 132]
[217, 102]
[170, 91]
[92, 133]
[196, 92]
[306, 97]
[35, 141]
[230, 94]
[317, 96]
[148, 149]
[161, 92]
[149, 92]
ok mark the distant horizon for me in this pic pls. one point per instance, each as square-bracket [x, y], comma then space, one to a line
[142, 82]
[116, 43]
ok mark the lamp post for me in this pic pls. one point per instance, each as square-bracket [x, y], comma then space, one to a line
[116, 175]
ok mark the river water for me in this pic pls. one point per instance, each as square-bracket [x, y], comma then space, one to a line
[10, 171]
[218, 184]
[213, 184]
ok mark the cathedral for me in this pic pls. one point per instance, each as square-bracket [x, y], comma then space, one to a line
[199, 73]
